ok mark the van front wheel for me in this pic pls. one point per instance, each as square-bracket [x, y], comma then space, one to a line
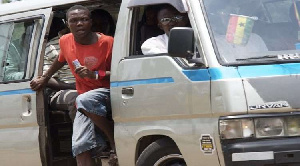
[162, 152]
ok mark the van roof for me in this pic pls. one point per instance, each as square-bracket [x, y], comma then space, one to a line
[27, 5]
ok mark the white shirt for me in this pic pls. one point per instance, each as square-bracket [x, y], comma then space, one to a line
[230, 52]
[155, 45]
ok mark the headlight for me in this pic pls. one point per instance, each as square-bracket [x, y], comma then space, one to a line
[260, 127]
[293, 126]
[239, 128]
[269, 127]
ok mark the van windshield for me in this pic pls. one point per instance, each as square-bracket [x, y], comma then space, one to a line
[255, 31]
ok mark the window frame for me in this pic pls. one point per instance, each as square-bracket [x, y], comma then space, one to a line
[134, 52]
[32, 48]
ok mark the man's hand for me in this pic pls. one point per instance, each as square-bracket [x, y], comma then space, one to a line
[38, 83]
[83, 72]
[41, 81]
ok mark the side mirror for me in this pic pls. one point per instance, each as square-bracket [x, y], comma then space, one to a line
[181, 42]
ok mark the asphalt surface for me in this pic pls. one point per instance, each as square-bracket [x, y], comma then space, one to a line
[104, 162]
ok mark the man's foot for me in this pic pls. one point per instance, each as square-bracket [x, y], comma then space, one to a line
[113, 159]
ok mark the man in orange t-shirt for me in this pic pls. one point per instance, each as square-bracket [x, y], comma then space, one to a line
[88, 55]
[95, 57]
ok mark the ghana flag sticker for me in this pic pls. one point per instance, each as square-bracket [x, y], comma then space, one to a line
[239, 29]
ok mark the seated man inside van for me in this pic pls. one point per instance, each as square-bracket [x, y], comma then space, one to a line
[62, 83]
[220, 15]
[103, 22]
[148, 24]
[168, 17]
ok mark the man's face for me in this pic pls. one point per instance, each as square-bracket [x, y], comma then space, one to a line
[79, 23]
[169, 18]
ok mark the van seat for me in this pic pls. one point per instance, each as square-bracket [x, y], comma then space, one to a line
[148, 31]
[59, 116]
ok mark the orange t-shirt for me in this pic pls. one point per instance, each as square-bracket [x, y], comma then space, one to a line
[96, 57]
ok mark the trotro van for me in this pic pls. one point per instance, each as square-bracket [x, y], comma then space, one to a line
[225, 93]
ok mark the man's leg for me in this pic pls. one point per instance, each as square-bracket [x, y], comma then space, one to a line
[85, 139]
[93, 104]
[85, 159]
[106, 126]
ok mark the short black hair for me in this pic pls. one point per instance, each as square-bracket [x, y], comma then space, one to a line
[78, 7]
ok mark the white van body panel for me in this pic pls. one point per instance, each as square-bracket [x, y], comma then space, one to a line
[186, 132]
[123, 34]
[267, 93]
[19, 128]
[168, 100]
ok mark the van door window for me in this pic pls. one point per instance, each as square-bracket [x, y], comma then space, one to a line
[14, 56]
[5, 35]
[145, 26]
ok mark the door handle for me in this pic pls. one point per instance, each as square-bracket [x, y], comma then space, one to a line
[28, 108]
[128, 91]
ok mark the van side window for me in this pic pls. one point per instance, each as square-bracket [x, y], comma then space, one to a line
[5, 35]
[14, 56]
[145, 25]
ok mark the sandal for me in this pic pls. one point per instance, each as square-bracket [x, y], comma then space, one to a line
[113, 159]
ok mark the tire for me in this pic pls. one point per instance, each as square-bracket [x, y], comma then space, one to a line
[162, 152]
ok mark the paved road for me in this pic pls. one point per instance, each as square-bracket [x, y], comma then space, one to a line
[105, 162]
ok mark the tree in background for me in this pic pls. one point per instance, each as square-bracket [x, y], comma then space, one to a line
[8, 1]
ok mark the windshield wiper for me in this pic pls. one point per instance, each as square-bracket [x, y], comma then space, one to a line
[258, 57]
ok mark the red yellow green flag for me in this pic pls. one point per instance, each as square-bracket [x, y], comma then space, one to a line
[239, 29]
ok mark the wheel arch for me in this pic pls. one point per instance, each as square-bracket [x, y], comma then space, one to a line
[145, 141]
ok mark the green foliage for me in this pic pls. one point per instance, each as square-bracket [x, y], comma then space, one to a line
[6, 1]
[9, 1]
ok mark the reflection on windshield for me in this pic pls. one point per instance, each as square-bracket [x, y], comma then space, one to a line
[245, 29]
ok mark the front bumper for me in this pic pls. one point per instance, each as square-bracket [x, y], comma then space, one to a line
[262, 152]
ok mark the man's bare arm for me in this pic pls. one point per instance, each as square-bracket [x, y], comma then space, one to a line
[41, 81]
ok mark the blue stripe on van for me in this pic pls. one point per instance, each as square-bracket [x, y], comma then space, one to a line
[269, 70]
[197, 75]
[220, 73]
[143, 81]
[243, 72]
[211, 73]
[16, 92]
[223, 73]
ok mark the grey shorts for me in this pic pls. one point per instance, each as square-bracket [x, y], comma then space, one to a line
[86, 137]
[94, 101]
